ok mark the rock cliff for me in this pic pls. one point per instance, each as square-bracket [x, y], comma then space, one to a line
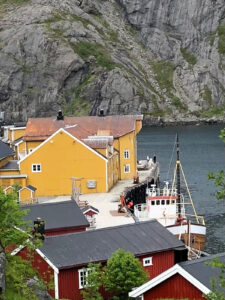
[162, 58]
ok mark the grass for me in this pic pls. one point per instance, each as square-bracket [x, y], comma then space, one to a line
[189, 57]
[79, 106]
[86, 49]
[14, 2]
[211, 112]
[178, 104]
[221, 42]
[207, 95]
[163, 71]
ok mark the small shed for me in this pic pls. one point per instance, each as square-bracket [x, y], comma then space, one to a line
[59, 217]
[9, 189]
[186, 280]
[27, 194]
[90, 212]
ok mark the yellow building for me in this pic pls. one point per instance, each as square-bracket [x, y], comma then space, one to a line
[97, 150]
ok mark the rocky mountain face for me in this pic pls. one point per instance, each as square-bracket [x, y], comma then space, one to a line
[162, 58]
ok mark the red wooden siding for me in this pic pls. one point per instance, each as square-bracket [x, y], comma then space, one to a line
[160, 262]
[69, 279]
[69, 284]
[45, 271]
[175, 287]
[90, 213]
[65, 230]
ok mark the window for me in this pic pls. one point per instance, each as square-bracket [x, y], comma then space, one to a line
[126, 154]
[147, 261]
[36, 168]
[83, 274]
[153, 202]
[126, 168]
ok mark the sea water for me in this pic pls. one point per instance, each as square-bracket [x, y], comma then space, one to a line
[201, 152]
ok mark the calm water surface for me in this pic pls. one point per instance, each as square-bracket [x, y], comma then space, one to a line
[201, 152]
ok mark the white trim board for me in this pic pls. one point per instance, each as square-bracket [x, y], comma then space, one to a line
[164, 276]
[55, 133]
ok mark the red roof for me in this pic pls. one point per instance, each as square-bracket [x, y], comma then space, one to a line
[39, 129]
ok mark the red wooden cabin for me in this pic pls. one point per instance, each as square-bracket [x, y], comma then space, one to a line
[67, 256]
[187, 280]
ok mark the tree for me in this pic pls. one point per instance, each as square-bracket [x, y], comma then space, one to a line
[219, 178]
[94, 282]
[122, 273]
[14, 232]
[219, 281]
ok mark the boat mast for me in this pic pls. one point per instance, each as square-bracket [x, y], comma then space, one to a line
[178, 179]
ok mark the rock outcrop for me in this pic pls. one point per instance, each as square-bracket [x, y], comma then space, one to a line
[162, 58]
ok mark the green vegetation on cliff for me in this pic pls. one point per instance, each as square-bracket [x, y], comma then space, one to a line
[164, 74]
[221, 42]
[189, 57]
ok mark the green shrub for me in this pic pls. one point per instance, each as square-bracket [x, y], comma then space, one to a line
[221, 42]
[164, 74]
[179, 105]
[86, 49]
[207, 95]
[189, 57]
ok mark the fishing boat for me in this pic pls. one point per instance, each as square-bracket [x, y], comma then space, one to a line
[169, 206]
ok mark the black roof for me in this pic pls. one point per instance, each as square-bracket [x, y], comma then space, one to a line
[5, 150]
[11, 165]
[17, 140]
[31, 187]
[98, 245]
[200, 270]
[56, 215]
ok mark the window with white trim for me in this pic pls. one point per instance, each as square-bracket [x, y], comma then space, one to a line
[126, 168]
[147, 261]
[126, 154]
[36, 168]
[83, 274]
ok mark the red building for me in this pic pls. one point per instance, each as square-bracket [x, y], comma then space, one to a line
[187, 280]
[59, 217]
[65, 257]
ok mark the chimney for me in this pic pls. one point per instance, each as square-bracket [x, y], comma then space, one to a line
[101, 113]
[39, 228]
[60, 115]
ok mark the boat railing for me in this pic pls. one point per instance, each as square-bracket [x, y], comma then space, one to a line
[153, 192]
[200, 219]
[141, 211]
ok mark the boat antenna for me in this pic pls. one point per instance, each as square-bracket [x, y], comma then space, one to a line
[178, 177]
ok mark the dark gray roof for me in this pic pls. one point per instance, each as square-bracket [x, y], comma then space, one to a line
[11, 165]
[56, 215]
[201, 271]
[18, 140]
[31, 187]
[98, 245]
[5, 150]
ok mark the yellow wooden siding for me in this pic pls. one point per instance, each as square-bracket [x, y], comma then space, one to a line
[5, 182]
[32, 145]
[27, 196]
[10, 190]
[61, 158]
[101, 151]
[128, 142]
[17, 133]
[5, 160]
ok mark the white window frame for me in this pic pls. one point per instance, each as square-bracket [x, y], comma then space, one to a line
[35, 168]
[147, 261]
[127, 166]
[126, 154]
[84, 279]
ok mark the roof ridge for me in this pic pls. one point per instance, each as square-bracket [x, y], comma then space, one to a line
[202, 259]
[48, 203]
[104, 228]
